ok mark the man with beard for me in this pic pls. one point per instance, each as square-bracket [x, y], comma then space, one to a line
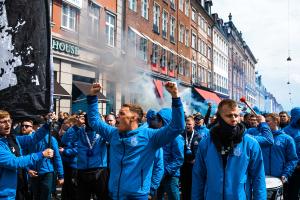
[284, 119]
[229, 163]
[134, 147]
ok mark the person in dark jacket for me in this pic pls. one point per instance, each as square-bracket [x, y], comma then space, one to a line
[11, 158]
[192, 139]
[293, 130]
[229, 163]
[134, 147]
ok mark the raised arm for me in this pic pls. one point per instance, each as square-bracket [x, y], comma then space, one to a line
[94, 119]
[265, 136]
[26, 141]
[169, 132]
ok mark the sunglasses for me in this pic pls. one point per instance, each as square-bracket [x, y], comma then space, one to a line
[26, 126]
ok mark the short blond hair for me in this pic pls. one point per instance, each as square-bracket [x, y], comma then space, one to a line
[4, 114]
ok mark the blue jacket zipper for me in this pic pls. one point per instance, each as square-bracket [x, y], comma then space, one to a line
[121, 169]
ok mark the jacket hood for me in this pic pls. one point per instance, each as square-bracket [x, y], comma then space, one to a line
[151, 114]
[295, 116]
[166, 115]
[277, 132]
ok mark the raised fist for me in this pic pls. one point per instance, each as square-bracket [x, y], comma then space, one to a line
[95, 89]
[171, 87]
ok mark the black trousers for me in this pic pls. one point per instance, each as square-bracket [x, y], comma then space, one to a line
[186, 180]
[294, 185]
[93, 182]
[70, 184]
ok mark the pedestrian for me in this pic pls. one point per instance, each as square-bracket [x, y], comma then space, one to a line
[192, 139]
[280, 159]
[133, 147]
[293, 130]
[173, 159]
[229, 164]
[11, 158]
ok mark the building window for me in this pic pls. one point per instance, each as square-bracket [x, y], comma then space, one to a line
[194, 15]
[143, 49]
[50, 9]
[132, 5]
[194, 40]
[208, 31]
[181, 33]
[181, 5]
[199, 45]
[164, 24]
[208, 52]
[186, 68]
[173, 4]
[172, 29]
[163, 62]
[194, 72]
[172, 62]
[187, 38]
[199, 20]
[69, 17]
[94, 20]
[180, 66]
[145, 9]
[110, 29]
[131, 37]
[202, 24]
[154, 54]
[156, 18]
[187, 7]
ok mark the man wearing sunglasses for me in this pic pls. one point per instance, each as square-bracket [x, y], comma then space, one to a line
[26, 127]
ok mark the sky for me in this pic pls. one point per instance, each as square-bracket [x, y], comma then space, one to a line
[271, 29]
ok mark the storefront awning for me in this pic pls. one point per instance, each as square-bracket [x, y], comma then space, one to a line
[137, 32]
[60, 92]
[210, 96]
[85, 89]
[159, 87]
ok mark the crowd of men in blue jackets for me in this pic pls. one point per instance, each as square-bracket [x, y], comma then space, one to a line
[138, 156]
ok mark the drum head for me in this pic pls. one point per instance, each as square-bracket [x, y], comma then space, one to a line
[273, 182]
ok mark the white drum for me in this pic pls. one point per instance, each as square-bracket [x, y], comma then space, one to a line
[274, 188]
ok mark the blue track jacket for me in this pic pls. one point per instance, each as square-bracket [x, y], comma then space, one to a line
[245, 165]
[99, 151]
[293, 129]
[133, 153]
[9, 163]
[47, 165]
[280, 159]
[173, 151]
[262, 134]
[158, 170]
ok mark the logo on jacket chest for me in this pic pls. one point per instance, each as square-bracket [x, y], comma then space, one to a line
[133, 141]
[237, 151]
